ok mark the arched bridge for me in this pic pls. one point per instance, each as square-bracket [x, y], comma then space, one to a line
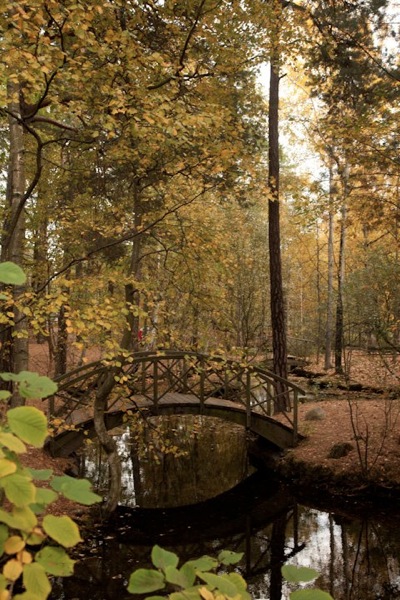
[178, 382]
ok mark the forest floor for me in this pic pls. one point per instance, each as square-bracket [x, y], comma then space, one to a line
[351, 427]
[361, 412]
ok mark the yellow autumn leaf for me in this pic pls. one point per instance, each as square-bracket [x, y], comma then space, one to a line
[206, 594]
[12, 569]
[7, 467]
[24, 557]
[14, 544]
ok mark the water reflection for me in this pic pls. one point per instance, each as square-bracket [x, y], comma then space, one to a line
[175, 460]
[357, 559]
[356, 554]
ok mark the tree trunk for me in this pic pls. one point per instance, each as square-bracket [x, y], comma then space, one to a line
[278, 538]
[15, 346]
[278, 320]
[339, 327]
[130, 342]
[339, 331]
[40, 260]
[60, 359]
[329, 309]
[107, 442]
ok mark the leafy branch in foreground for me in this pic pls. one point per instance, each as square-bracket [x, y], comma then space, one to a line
[294, 574]
[33, 545]
[194, 580]
[199, 579]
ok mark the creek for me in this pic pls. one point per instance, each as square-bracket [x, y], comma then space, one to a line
[189, 486]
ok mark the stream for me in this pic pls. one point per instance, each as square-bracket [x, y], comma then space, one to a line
[189, 486]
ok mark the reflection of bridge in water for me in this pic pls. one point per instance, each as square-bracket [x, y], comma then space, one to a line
[252, 504]
[251, 518]
[176, 382]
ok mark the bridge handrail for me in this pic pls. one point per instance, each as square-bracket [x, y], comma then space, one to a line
[129, 364]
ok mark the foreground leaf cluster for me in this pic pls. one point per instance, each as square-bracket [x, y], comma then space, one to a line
[194, 580]
[201, 579]
[33, 544]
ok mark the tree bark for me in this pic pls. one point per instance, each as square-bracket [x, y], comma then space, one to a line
[130, 342]
[339, 328]
[278, 317]
[107, 442]
[329, 309]
[60, 360]
[15, 347]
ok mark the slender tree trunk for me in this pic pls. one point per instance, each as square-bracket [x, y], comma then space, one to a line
[329, 310]
[132, 294]
[339, 330]
[60, 361]
[278, 537]
[107, 442]
[339, 327]
[278, 317]
[129, 342]
[40, 258]
[15, 347]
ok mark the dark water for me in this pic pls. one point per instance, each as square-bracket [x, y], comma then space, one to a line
[184, 501]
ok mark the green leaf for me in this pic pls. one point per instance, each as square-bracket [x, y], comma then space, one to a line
[19, 489]
[45, 496]
[62, 529]
[238, 581]
[4, 395]
[163, 558]
[10, 441]
[78, 490]
[228, 588]
[55, 561]
[184, 577]
[29, 424]
[19, 518]
[11, 273]
[4, 534]
[189, 573]
[205, 563]
[227, 557]
[36, 581]
[143, 581]
[41, 474]
[192, 594]
[312, 594]
[295, 574]
[31, 385]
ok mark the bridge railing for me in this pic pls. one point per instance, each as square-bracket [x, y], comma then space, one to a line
[154, 375]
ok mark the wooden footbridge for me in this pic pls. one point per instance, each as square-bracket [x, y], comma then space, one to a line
[178, 382]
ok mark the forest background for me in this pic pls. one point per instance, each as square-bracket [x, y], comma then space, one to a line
[139, 180]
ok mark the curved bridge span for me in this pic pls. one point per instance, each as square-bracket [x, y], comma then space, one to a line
[178, 382]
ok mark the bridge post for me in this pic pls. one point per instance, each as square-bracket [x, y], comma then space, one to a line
[295, 416]
[269, 398]
[202, 381]
[144, 368]
[248, 399]
[155, 381]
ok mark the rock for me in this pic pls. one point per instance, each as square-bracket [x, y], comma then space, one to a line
[340, 449]
[351, 387]
[315, 414]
